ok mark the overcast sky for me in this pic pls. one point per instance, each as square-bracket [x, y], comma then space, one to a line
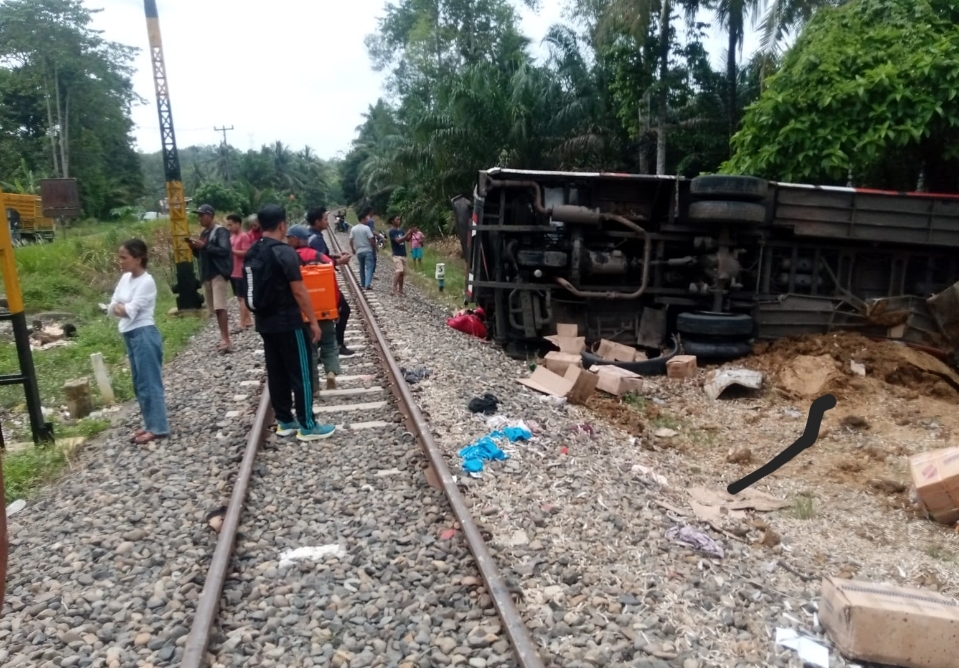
[286, 69]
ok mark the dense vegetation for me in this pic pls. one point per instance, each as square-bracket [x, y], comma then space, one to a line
[627, 87]
[65, 97]
[234, 181]
[868, 94]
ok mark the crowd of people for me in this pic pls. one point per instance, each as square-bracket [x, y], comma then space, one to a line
[259, 260]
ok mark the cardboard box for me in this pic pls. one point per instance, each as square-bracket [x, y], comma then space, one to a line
[559, 362]
[577, 385]
[681, 366]
[616, 381]
[890, 625]
[573, 345]
[616, 352]
[936, 477]
[584, 384]
[567, 330]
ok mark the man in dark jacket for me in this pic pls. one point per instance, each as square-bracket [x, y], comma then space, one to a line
[215, 256]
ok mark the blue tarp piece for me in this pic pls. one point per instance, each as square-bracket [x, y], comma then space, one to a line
[485, 448]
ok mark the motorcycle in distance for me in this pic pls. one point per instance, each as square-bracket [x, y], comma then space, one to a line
[341, 225]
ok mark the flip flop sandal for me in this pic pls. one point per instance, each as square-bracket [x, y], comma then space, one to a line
[223, 350]
[149, 438]
[137, 434]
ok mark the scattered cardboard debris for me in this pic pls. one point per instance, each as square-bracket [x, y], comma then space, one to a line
[936, 477]
[681, 366]
[616, 380]
[713, 506]
[617, 352]
[720, 380]
[810, 652]
[576, 385]
[559, 362]
[663, 432]
[857, 368]
[890, 625]
[566, 339]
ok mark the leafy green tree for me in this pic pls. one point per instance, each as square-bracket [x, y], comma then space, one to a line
[866, 95]
[222, 198]
[66, 87]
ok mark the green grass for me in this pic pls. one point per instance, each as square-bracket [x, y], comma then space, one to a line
[26, 471]
[636, 401]
[424, 277]
[74, 275]
[804, 507]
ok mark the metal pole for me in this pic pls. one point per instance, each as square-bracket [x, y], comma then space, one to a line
[42, 431]
[4, 545]
[194, 652]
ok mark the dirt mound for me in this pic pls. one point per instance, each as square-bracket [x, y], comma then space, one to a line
[810, 365]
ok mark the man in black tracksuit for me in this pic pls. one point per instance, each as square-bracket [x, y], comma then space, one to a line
[279, 301]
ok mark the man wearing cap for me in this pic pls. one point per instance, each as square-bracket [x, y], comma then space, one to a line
[215, 257]
[326, 348]
[318, 221]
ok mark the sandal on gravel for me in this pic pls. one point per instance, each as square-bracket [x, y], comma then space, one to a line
[147, 437]
[137, 434]
[223, 350]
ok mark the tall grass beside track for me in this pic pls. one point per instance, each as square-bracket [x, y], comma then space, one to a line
[73, 276]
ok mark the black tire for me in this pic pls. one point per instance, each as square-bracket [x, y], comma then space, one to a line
[727, 212]
[737, 325]
[729, 187]
[717, 351]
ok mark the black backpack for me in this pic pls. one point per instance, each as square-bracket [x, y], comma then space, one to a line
[263, 278]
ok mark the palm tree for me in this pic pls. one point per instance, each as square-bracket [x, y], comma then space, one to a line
[781, 18]
[636, 17]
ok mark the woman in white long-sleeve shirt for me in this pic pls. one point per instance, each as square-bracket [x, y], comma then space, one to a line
[134, 303]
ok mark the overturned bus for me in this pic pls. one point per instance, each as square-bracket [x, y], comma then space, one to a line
[719, 261]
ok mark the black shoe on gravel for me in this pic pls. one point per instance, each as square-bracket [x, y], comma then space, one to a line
[346, 352]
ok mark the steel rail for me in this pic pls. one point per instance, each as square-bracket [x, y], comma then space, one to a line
[516, 630]
[197, 642]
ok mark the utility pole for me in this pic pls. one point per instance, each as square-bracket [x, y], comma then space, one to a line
[226, 157]
[224, 130]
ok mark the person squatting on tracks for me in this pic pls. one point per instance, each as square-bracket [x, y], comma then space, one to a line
[361, 243]
[327, 349]
[240, 242]
[276, 295]
[134, 303]
[216, 264]
[318, 221]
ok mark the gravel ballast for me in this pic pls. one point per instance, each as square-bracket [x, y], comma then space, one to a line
[579, 521]
[391, 584]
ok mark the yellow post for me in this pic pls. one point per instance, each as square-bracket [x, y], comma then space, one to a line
[42, 431]
[8, 264]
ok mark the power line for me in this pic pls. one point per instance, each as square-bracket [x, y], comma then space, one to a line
[224, 130]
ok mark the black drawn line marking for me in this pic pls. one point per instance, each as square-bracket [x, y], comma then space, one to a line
[809, 436]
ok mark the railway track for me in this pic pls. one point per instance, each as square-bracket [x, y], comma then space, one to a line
[391, 571]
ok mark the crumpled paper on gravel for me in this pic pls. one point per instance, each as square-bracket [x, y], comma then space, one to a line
[713, 506]
[486, 449]
[697, 539]
[313, 553]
